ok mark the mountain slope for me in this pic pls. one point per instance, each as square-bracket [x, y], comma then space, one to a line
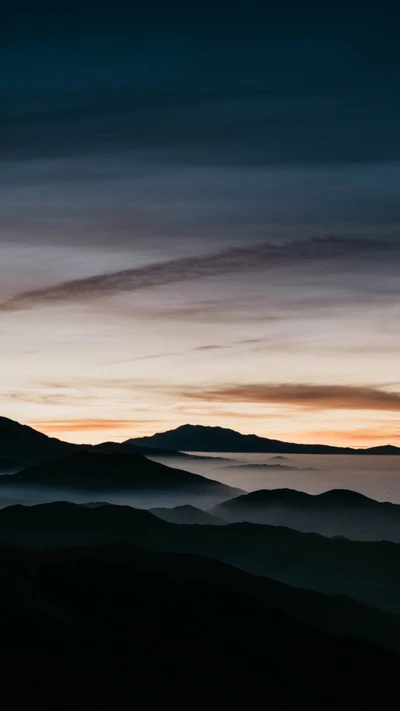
[333, 513]
[26, 445]
[101, 471]
[197, 438]
[97, 616]
[368, 572]
[340, 615]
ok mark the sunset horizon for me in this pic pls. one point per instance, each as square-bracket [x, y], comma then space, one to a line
[200, 221]
[200, 354]
[97, 431]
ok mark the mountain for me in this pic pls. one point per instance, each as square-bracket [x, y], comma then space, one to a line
[21, 446]
[368, 571]
[26, 445]
[87, 627]
[63, 525]
[333, 513]
[188, 515]
[197, 438]
[90, 470]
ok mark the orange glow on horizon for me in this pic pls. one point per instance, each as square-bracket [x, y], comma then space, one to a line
[358, 439]
[109, 429]
[120, 430]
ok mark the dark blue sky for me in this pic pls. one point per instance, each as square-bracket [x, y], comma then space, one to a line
[129, 90]
[136, 134]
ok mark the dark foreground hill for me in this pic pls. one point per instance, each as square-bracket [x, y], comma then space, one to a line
[197, 438]
[333, 513]
[367, 571]
[93, 628]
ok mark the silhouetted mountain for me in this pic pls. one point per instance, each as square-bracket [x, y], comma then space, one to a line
[368, 572]
[340, 615]
[96, 470]
[333, 513]
[188, 515]
[26, 445]
[197, 438]
[94, 627]
[386, 450]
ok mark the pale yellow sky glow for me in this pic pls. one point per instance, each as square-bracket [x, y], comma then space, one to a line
[201, 229]
[285, 360]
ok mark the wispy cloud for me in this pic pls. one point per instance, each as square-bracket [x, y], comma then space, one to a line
[212, 347]
[313, 397]
[256, 258]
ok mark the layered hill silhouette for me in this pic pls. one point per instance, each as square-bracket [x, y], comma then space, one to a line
[367, 571]
[188, 515]
[197, 438]
[96, 470]
[332, 513]
[98, 613]
[26, 445]
[21, 446]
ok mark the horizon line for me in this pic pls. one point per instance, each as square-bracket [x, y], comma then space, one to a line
[92, 425]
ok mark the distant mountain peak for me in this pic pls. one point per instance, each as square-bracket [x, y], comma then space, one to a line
[205, 438]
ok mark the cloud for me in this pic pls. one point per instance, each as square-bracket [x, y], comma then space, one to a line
[209, 348]
[313, 397]
[238, 260]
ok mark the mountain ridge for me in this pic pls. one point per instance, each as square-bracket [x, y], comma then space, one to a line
[38, 447]
[368, 572]
[26, 446]
[99, 470]
[202, 438]
[214, 629]
[331, 513]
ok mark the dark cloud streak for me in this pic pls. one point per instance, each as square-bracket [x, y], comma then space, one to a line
[258, 258]
[313, 397]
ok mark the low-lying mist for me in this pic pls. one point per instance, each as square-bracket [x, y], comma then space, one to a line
[375, 476]
[145, 499]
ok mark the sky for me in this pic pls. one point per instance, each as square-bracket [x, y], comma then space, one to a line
[199, 218]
